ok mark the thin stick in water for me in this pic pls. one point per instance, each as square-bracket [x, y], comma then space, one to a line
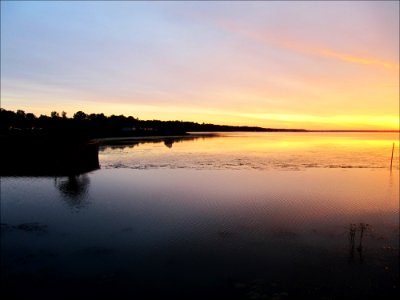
[391, 160]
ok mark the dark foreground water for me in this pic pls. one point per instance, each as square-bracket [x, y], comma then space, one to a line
[245, 216]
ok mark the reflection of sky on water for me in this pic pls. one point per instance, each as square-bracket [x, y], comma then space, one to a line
[291, 151]
[165, 227]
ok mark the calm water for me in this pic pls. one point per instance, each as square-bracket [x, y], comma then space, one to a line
[240, 216]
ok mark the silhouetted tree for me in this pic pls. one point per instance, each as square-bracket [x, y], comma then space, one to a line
[80, 116]
[20, 113]
[30, 117]
[54, 114]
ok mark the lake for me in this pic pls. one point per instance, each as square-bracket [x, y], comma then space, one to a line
[234, 216]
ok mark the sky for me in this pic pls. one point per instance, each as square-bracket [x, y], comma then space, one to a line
[280, 64]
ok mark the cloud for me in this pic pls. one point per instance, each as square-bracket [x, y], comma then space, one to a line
[284, 41]
[358, 59]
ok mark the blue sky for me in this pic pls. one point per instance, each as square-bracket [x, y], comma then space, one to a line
[286, 64]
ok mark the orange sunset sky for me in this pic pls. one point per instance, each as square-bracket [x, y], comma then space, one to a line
[290, 64]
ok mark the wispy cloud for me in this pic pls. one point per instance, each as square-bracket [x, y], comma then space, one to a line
[271, 39]
[358, 59]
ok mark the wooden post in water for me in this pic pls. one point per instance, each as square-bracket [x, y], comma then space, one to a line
[391, 160]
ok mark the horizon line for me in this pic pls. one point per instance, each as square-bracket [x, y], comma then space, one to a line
[237, 126]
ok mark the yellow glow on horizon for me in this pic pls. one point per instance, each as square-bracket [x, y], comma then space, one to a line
[385, 121]
[235, 117]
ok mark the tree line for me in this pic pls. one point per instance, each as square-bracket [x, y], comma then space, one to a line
[99, 125]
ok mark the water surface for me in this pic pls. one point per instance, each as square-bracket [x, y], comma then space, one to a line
[241, 216]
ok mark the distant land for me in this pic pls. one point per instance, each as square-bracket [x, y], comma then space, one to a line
[83, 126]
[88, 126]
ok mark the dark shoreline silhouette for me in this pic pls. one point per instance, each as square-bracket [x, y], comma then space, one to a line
[91, 126]
[58, 145]
[44, 156]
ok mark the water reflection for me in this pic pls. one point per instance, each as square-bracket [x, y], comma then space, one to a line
[362, 228]
[296, 151]
[352, 234]
[122, 143]
[168, 143]
[74, 189]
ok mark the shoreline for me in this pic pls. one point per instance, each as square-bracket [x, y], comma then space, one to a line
[104, 141]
